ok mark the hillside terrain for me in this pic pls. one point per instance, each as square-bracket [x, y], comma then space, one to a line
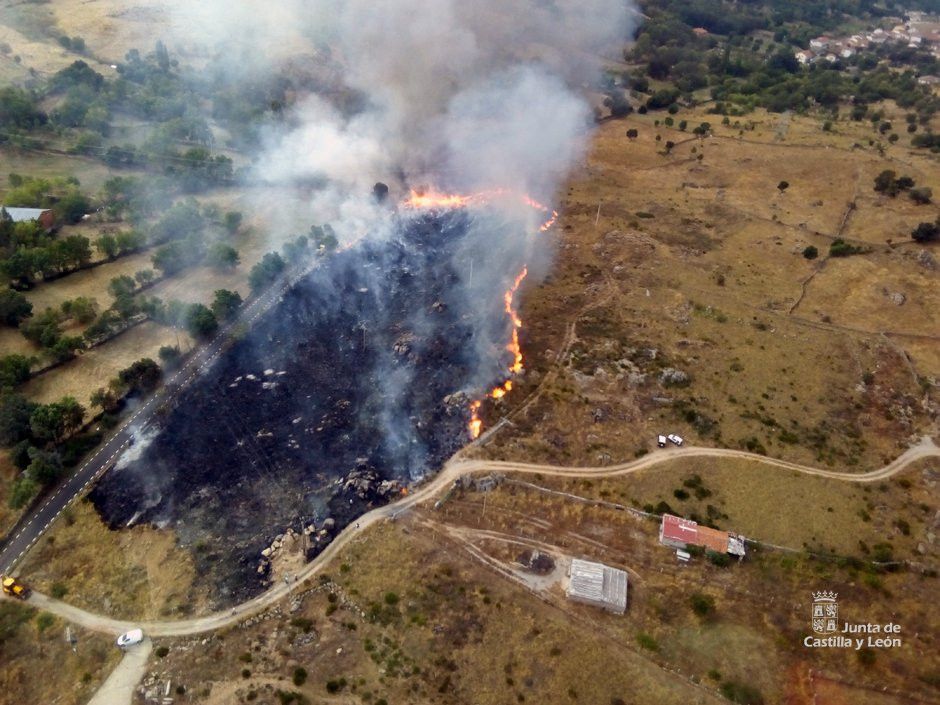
[747, 255]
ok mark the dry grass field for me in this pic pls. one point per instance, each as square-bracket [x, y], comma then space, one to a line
[39, 666]
[95, 368]
[139, 573]
[692, 261]
[424, 610]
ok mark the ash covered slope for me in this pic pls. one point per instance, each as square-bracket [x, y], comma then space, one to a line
[360, 368]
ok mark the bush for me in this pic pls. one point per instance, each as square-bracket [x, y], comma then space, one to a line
[647, 642]
[741, 693]
[840, 248]
[926, 232]
[300, 676]
[161, 651]
[702, 605]
[722, 560]
[391, 598]
[810, 252]
[58, 590]
[335, 685]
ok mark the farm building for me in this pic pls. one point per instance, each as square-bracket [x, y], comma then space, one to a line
[598, 585]
[677, 532]
[42, 215]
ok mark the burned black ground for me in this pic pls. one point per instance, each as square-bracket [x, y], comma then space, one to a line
[363, 367]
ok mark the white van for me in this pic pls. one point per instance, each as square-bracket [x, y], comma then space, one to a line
[661, 441]
[134, 636]
[675, 439]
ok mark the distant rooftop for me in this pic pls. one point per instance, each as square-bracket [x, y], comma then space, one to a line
[599, 585]
[22, 214]
[676, 531]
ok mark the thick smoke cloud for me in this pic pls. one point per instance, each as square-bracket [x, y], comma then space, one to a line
[458, 96]
[483, 93]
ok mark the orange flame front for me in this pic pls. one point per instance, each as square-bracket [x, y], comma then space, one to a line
[435, 200]
[476, 423]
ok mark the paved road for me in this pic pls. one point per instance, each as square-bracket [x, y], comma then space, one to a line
[29, 529]
[457, 468]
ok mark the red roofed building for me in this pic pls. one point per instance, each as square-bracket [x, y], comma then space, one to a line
[680, 533]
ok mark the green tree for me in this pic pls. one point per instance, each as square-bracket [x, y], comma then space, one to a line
[52, 422]
[810, 252]
[107, 245]
[82, 309]
[200, 322]
[45, 467]
[169, 259]
[128, 241]
[225, 304]
[14, 307]
[266, 271]
[170, 356]
[105, 399]
[44, 329]
[14, 369]
[232, 221]
[71, 207]
[22, 492]
[15, 412]
[144, 375]
[221, 256]
[121, 286]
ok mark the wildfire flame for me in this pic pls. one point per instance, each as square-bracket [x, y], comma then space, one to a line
[435, 200]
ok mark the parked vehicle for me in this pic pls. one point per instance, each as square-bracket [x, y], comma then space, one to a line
[14, 588]
[134, 636]
[675, 439]
[661, 441]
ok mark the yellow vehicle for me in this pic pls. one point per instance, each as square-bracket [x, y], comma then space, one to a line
[14, 588]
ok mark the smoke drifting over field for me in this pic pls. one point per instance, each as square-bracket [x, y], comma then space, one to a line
[372, 362]
[463, 95]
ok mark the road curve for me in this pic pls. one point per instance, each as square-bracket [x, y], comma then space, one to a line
[457, 468]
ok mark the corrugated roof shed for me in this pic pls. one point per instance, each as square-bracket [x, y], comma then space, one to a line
[597, 584]
[20, 214]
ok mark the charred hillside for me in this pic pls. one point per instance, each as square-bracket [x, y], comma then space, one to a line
[349, 387]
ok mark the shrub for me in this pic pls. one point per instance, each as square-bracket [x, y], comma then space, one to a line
[161, 651]
[391, 598]
[741, 693]
[647, 642]
[722, 560]
[840, 248]
[300, 676]
[702, 605]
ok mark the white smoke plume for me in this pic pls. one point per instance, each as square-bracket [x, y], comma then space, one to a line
[457, 96]
[460, 95]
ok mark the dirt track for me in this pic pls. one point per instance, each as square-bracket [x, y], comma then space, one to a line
[456, 468]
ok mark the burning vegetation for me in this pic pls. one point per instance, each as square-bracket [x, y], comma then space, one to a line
[358, 381]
